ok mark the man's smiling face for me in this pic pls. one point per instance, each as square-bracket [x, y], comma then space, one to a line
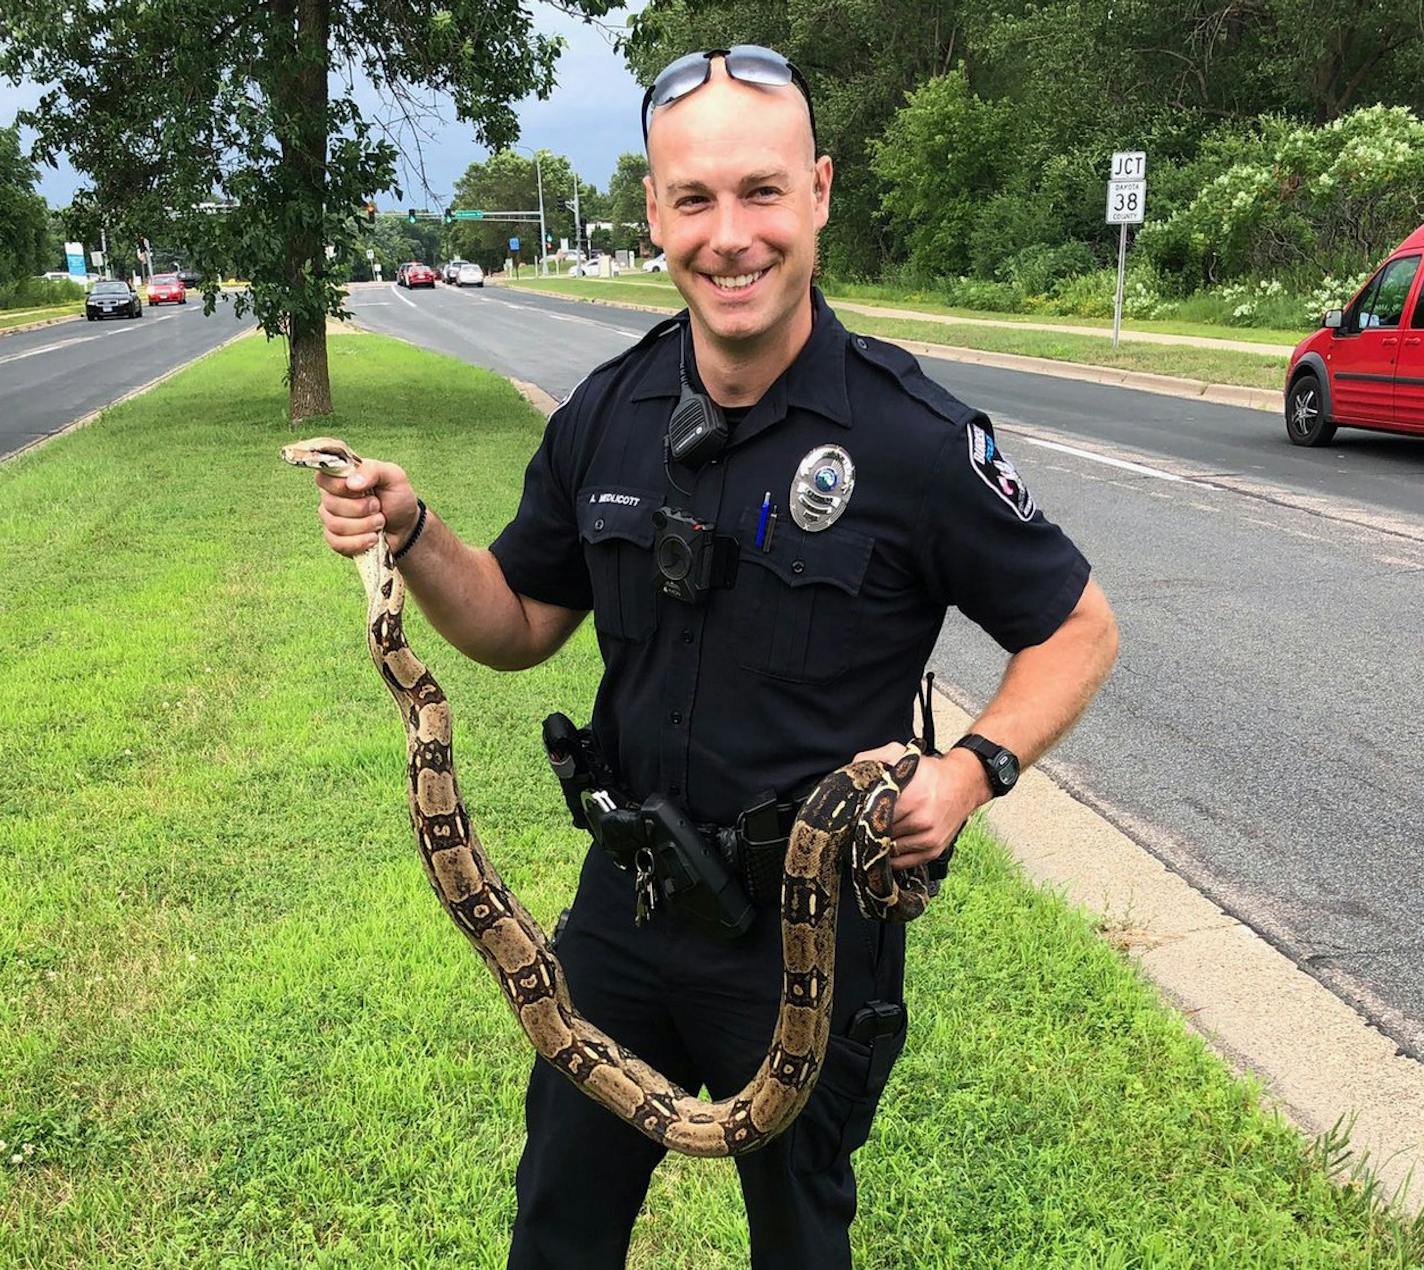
[735, 198]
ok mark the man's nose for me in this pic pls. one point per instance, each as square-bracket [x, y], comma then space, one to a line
[731, 234]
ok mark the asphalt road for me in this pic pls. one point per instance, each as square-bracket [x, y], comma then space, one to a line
[54, 375]
[1262, 731]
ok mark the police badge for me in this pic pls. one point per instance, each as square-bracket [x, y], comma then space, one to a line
[821, 488]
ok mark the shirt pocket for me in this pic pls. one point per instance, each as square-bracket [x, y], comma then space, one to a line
[798, 604]
[616, 527]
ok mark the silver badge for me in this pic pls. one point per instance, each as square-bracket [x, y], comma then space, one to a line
[822, 487]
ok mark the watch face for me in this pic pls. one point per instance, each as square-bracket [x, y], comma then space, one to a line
[1006, 766]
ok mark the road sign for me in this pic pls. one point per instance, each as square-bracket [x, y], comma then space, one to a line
[74, 260]
[1128, 165]
[1126, 202]
[514, 244]
[468, 215]
[370, 253]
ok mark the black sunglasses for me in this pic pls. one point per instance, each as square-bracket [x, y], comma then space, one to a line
[749, 63]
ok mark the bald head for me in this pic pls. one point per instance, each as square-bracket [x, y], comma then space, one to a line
[726, 113]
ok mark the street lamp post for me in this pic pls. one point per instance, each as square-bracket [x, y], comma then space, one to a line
[543, 239]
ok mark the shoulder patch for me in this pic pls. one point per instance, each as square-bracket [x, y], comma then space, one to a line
[906, 370]
[997, 472]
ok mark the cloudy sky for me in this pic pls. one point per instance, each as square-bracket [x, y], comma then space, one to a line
[591, 116]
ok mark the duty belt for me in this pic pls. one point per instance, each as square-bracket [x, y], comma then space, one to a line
[754, 846]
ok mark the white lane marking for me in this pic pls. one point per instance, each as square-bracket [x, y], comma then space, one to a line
[618, 330]
[402, 298]
[82, 339]
[1139, 468]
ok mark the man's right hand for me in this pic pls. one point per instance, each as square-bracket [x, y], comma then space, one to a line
[353, 508]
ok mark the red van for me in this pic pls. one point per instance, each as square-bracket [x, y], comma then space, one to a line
[1365, 367]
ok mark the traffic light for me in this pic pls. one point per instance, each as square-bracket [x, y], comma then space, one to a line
[371, 213]
[410, 215]
[449, 217]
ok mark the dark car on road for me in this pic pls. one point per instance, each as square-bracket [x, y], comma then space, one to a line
[1365, 367]
[112, 299]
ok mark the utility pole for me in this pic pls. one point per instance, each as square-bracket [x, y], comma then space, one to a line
[578, 237]
[104, 251]
[543, 237]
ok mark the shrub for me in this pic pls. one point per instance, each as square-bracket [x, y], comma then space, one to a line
[34, 293]
[1037, 269]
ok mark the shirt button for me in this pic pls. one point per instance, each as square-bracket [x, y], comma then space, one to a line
[798, 566]
[598, 524]
[859, 343]
[675, 717]
[687, 637]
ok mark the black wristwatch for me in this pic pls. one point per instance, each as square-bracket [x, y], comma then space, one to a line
[1001, 765]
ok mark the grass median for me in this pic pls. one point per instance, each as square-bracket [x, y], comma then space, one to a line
[235, 1027]
[21, 317]
[1210, 365]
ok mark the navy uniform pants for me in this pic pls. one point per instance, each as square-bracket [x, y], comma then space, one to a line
[702, 1012]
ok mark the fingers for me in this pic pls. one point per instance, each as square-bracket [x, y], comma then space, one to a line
[347, 530]
[354, 508]
[883, 754]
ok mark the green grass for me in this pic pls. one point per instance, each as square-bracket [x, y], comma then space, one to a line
[19, 317]
[237, 1030]
[899, 298]
[1212, 365]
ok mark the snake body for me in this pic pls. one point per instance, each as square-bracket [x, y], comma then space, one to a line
[850, 811]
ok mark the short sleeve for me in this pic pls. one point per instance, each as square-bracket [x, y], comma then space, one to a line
[539, 550]
[988, 550]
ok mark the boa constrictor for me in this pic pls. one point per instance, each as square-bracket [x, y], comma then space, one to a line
[851, 809]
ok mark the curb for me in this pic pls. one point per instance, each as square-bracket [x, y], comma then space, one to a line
[118, 401]
[35, 326]
[1144, 381]
[1319, 1062]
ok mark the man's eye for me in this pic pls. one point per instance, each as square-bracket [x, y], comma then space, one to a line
[691, 200]
[766, 191]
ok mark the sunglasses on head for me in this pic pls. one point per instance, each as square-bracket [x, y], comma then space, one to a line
[749, 63]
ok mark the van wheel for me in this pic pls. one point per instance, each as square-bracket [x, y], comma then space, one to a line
[1306, 420]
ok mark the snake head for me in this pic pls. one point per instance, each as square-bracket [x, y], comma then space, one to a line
[325, 454]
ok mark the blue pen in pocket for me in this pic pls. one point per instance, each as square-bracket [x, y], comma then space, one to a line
[761, 520]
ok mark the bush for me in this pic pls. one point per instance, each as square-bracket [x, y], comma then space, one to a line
[1037, 269]
[36, 293]
[978, 293]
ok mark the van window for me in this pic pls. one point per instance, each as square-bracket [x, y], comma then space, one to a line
[1383, 304]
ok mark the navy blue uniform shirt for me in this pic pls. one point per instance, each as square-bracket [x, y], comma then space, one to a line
[816, 650]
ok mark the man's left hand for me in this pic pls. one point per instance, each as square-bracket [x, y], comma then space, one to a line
[936, 802]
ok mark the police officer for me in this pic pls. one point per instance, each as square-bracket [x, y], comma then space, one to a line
[838, 502]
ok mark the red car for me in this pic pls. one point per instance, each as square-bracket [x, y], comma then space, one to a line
[1365, 367]
[419, 275]
[166, 288]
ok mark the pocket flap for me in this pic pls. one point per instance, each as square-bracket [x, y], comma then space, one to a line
[834, 557]
[616, 511]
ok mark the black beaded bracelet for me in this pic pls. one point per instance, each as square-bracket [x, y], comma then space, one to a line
[414, 533]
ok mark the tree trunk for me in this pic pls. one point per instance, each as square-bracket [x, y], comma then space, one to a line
[309, 385]
[303, 137]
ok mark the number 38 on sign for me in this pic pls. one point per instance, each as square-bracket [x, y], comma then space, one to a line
[1126, 202]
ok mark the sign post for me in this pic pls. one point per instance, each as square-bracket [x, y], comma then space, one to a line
[1127, 201]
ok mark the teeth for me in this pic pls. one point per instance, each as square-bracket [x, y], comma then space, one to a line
[740, 281]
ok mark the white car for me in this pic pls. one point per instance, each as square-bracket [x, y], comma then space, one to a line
[470, 275]
[658, 264]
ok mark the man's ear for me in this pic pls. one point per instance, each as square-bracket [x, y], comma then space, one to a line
[822, 175]
[652, 210]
